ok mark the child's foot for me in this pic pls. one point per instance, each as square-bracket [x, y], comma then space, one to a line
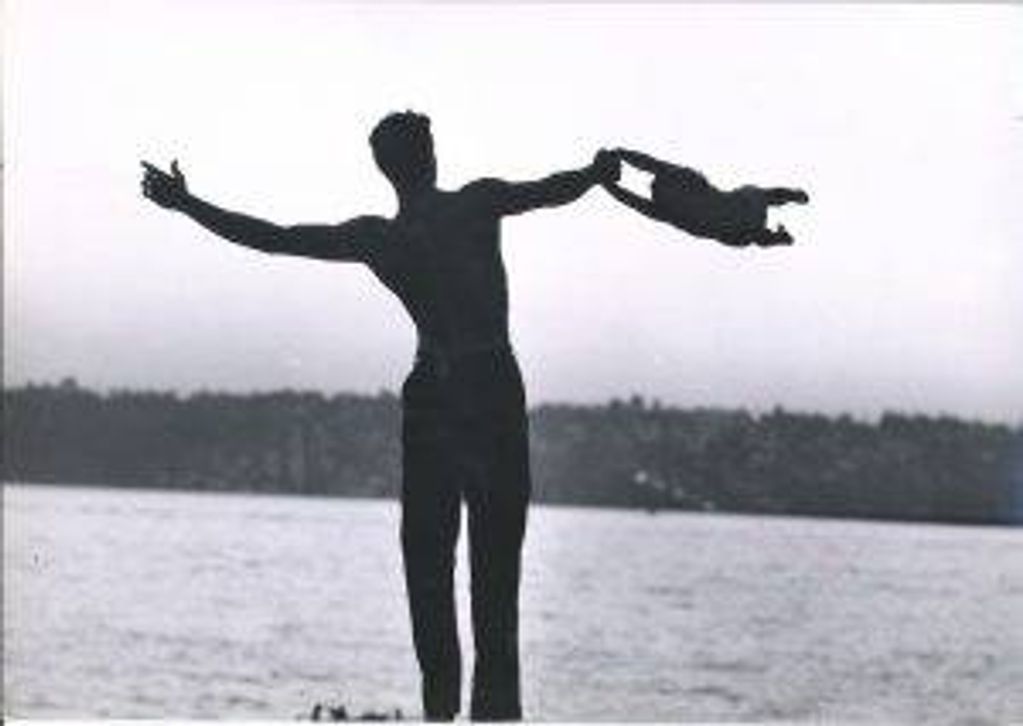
[774, 238]
[784, 196]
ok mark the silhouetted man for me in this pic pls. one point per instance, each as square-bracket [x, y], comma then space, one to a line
[464, 425]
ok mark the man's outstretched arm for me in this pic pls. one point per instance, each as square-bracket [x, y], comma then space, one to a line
[552, 191]
[344, 242]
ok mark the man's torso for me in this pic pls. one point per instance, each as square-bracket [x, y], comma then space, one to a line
[442, 259]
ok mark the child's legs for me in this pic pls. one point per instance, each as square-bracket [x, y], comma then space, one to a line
[784, 195]
[772, 238]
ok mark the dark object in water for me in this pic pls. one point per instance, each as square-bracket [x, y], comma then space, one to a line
[328, 712]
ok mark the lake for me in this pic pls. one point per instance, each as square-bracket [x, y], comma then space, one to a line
[129, 603]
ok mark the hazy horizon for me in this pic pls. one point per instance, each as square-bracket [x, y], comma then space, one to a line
[904, 123]
[625, 397]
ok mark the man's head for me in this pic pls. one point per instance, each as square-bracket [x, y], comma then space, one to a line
[403, 149]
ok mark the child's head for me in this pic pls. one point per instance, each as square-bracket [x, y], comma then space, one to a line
[675, 182]
[666, 185]
[660, 188]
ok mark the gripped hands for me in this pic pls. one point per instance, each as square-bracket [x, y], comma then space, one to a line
[168, 190]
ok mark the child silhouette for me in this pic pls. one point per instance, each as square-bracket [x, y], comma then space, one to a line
[685, 199]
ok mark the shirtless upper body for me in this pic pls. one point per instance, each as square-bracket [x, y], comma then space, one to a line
[440, 255]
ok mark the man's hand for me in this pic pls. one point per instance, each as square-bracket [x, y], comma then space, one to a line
[607, 167]
[167, 190]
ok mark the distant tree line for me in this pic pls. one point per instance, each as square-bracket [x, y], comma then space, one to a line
[626, 453]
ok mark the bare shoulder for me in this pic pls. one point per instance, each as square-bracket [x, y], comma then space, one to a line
[486, 190]
[366, 236]
[483, 184]
[356, 239]
[369, 224]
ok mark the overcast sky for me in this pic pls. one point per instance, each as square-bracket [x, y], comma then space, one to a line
[905, 124]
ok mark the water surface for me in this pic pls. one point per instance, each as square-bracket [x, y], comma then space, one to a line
[122, 603]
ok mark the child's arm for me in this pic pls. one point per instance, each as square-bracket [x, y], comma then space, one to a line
[640, 204]
[642, 161]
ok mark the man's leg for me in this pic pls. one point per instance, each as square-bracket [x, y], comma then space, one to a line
[429, 532]
[497, 521]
